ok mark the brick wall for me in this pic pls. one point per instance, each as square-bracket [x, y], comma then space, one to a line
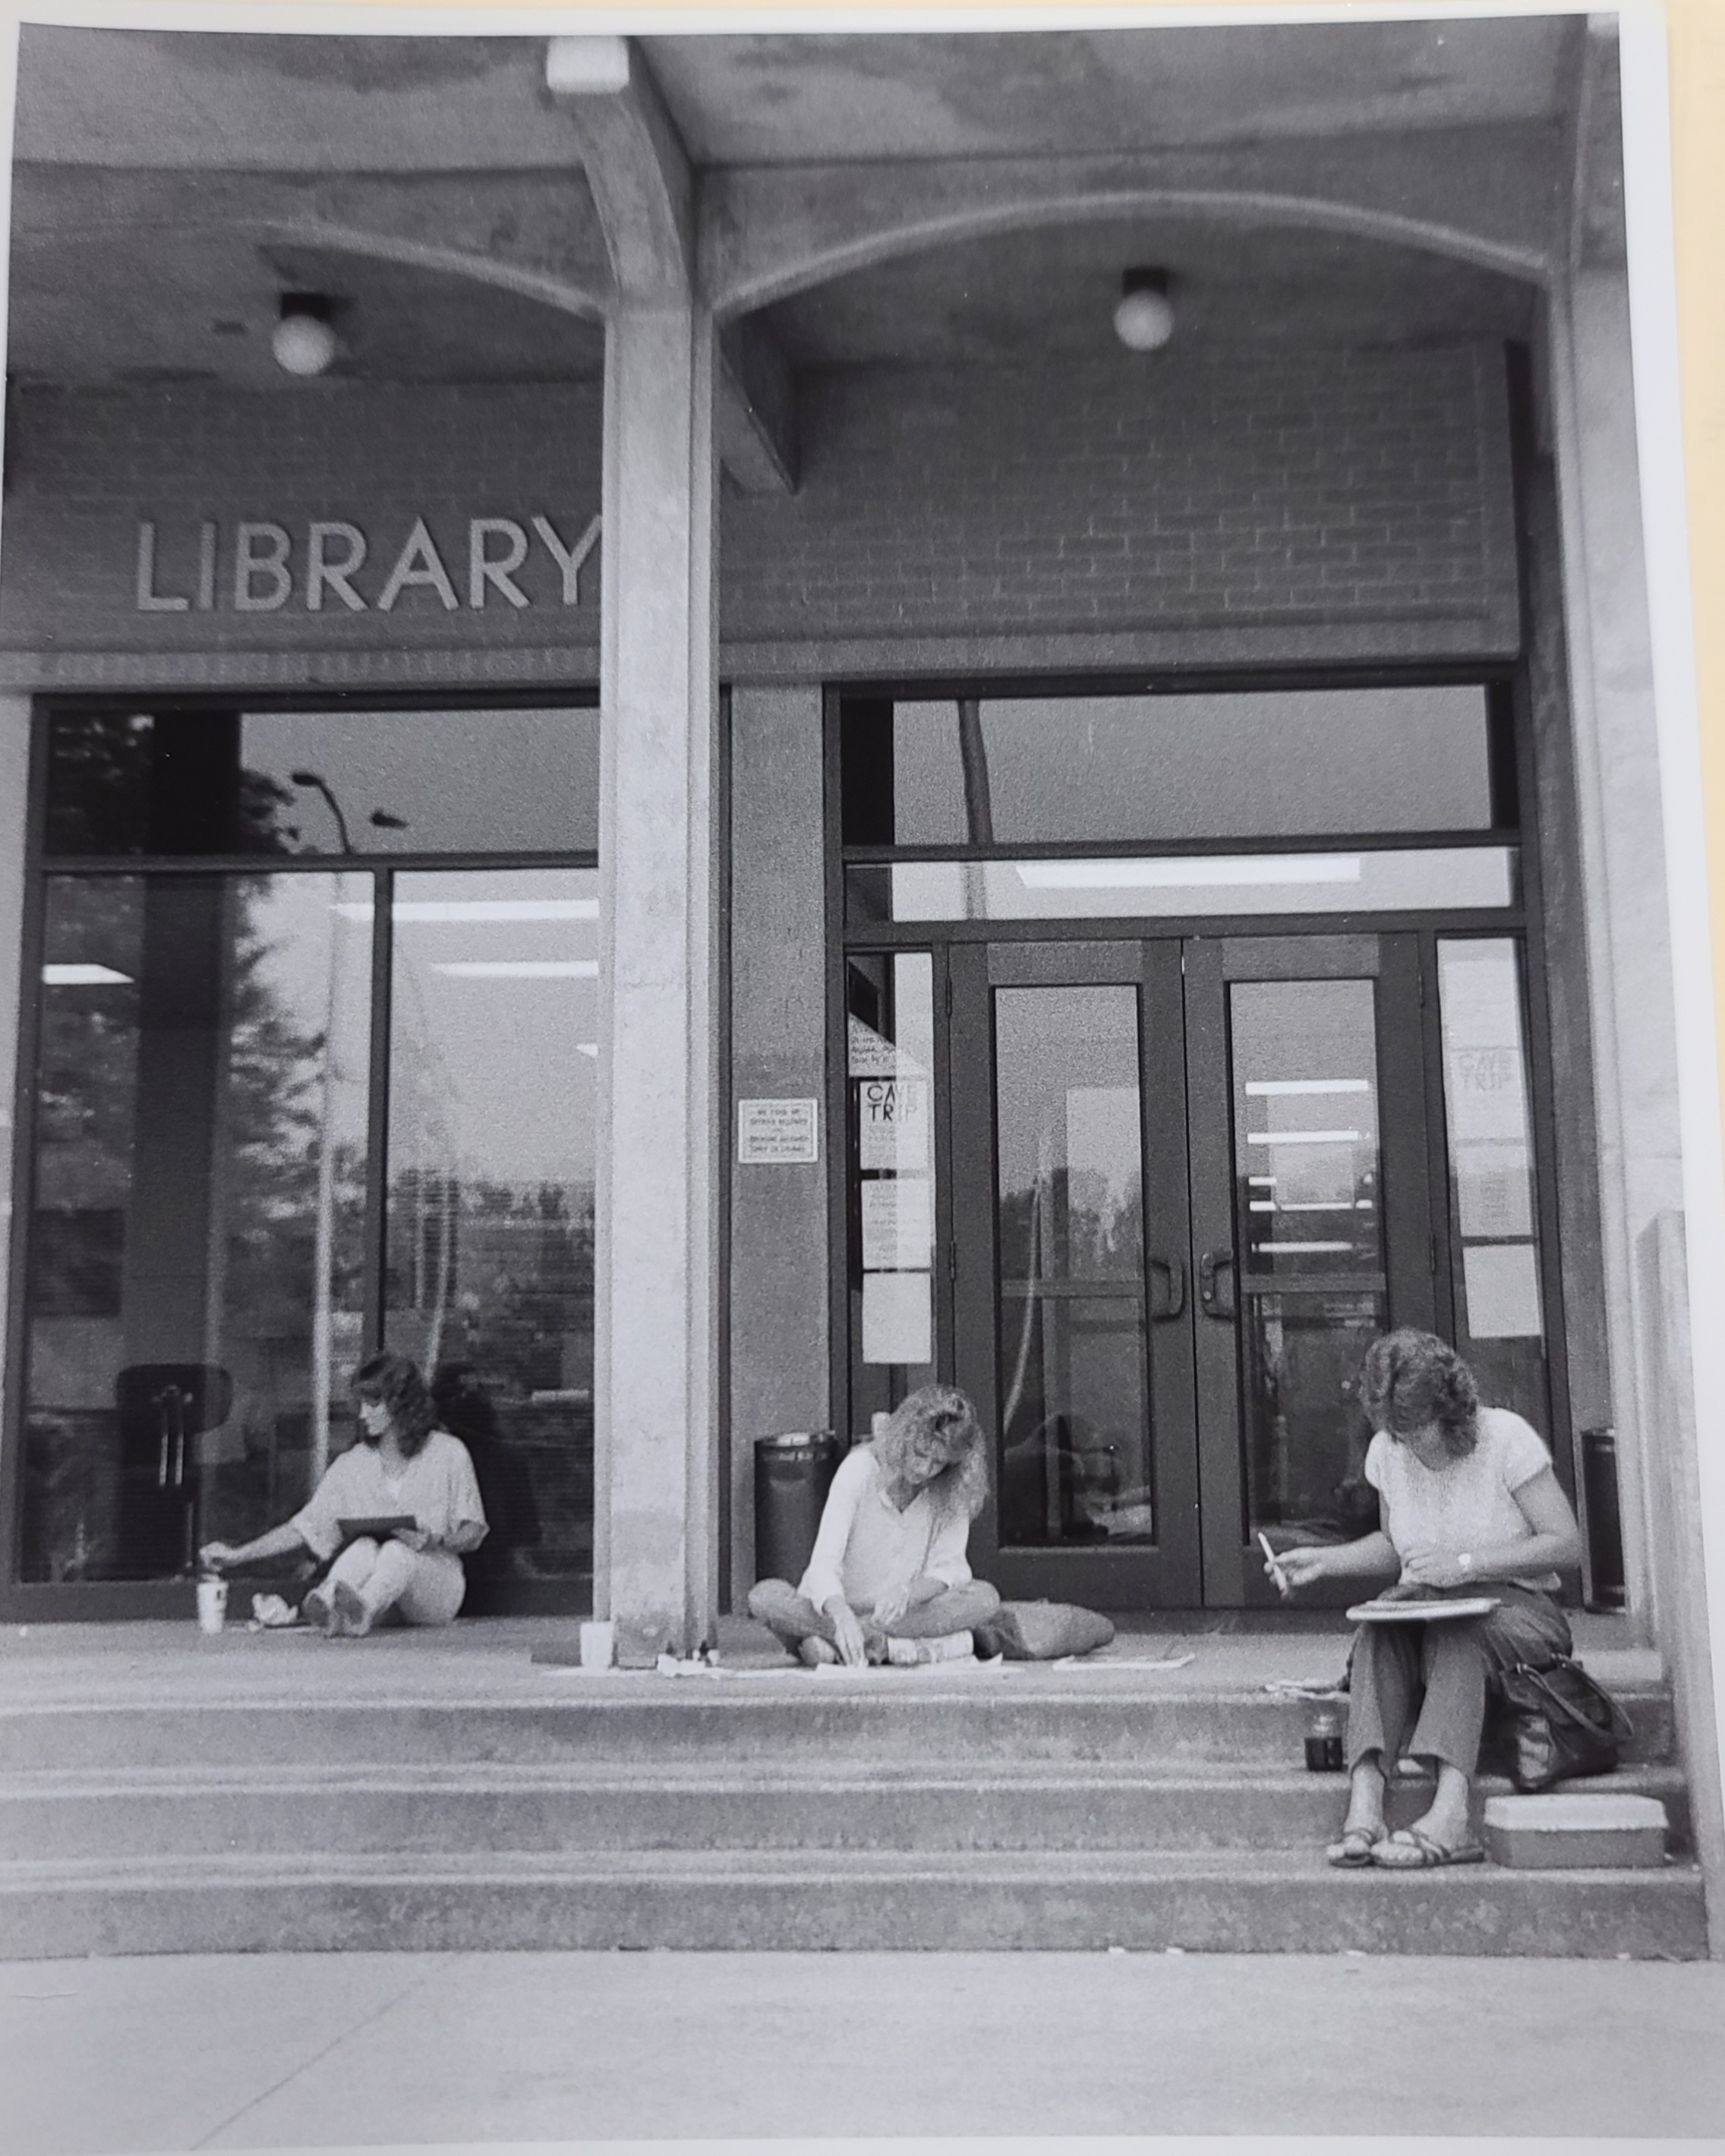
[1343, 501]
[1303, 488]
[84, 468]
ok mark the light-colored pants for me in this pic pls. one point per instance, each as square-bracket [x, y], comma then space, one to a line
[1445, 1670]
[792, 1618]
[422, 1587]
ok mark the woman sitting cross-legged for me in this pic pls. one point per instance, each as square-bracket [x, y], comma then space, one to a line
[1468, 1501]
[889, 1581]
[404, 1468]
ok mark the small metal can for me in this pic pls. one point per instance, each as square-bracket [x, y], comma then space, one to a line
[1323, 1743]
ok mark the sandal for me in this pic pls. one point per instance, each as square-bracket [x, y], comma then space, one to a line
[1410, 1849]
[1353, 1851]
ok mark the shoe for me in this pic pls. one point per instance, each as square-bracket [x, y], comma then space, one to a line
[1410, 1849]
[1353, 1851]
[816, 1651]
[349, 1619]
[916, 1654]
[315, 1612]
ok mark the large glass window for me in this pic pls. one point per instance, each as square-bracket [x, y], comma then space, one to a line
[195, 1276]
[215, 1237]
[205, 781]
[1005, 770]
[493, 1049]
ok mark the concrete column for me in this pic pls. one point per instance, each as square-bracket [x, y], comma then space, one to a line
[657, 1333]
[14, 818]
[780, 1376]
[1620, 813]
[656, 1432]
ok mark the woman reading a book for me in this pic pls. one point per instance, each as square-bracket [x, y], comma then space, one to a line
[396, 1513]
[1468, 1502]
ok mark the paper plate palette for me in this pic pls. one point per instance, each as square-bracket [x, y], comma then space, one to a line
[1406, 1611]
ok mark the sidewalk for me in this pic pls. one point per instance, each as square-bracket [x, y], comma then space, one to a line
[306, 2051]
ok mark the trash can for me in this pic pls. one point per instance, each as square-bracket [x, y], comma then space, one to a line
[1606, 1589]
[792, 1474]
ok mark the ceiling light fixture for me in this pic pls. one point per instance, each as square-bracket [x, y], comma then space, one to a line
[1144, 319]
[303, 340]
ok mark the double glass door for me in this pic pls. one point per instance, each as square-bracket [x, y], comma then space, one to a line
[1189, 1183]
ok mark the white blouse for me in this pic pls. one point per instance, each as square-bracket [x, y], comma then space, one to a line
[867, 1549]
[438, 1487]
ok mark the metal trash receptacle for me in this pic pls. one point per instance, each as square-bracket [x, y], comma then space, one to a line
[793, 1472]
[1605, 1519]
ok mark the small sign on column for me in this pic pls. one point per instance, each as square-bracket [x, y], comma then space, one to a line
[777, 1133]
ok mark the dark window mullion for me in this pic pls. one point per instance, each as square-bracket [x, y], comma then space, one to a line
[378, 1112]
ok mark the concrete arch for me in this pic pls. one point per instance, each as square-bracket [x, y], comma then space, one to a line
[549, 291]
[744, 276]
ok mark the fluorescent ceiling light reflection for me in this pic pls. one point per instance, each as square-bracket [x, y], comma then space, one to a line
[1302, 1137]
[520, 969]
[586, 1047]
[475, 909]
[1189, 870]
[1301, 1249]
[65, 975]
[1283, 1085]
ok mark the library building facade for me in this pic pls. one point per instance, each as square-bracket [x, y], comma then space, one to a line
[703, 727]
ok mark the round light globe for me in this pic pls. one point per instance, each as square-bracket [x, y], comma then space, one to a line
[1144, 320]
[303, 344]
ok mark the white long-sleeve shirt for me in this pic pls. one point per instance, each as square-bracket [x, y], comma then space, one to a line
[867, 1547]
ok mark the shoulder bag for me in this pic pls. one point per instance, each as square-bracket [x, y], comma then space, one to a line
[1556, 1723]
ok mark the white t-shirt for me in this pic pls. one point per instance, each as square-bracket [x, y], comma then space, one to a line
[866, 1548]
[1467, 1504]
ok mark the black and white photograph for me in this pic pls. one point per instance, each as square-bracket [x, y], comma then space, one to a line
[864, 1156]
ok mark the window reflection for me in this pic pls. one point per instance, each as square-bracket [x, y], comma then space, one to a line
[196, 1262]
[1184, 886]
[204, 781]
[1085, 769]
[1075, 1434]
[494, 1032]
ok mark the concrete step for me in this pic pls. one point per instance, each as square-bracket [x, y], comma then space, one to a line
[875, 1720]
[1143, 1901]
[794, 1802]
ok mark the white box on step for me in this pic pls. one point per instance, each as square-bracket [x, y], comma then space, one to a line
[1565, 1831]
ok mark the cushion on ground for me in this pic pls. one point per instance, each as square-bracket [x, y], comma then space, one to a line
[1042, 1631]
[1574, 1830]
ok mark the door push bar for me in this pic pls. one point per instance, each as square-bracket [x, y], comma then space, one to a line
[1216, 1300]
[1173, 1301]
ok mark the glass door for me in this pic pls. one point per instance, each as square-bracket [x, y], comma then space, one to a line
[1189, 1184]
[1069, 1266]
[1312, 1230]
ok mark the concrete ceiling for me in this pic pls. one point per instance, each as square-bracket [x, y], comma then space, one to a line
[144, 98]
[1232, 285]
[170, 185]
[813, 100]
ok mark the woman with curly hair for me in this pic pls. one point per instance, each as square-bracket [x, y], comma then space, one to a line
[1467, 1499]
[889, 1581]
[404, 1472]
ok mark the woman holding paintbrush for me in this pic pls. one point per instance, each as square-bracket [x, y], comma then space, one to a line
[1467, 1501]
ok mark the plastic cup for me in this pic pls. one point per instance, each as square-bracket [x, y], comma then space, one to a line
[211, 1604]
[598, 1643]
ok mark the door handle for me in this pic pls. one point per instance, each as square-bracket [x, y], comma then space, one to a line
[1174, 1301]
[1216, 1302]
